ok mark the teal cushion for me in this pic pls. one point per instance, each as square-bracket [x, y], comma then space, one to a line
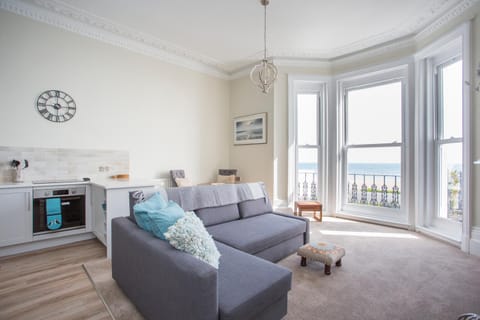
[165, 218]
[155, 215]
[188, 234]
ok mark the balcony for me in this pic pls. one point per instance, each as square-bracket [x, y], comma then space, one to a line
[381, 190]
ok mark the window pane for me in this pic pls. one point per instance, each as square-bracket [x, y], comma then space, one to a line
[307, 174]
[451, 99]
[374, 176]
[450, 182]
[307, 119]
[374, 114]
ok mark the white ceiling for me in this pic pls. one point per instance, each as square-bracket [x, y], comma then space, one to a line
[228, 34]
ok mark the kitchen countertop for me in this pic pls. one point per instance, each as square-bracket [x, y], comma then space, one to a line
[104, 183]
[130, 183]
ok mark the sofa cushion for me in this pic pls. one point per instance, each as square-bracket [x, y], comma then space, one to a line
[145, 206]
[188, 234]
[247, 285]
[257, 233]
[139, 196]
[157, 219]
[216, 215]
[252, 208]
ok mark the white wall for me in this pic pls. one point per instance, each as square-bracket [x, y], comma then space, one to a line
[166, 116]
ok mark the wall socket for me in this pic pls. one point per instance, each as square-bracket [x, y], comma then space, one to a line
[103, 169]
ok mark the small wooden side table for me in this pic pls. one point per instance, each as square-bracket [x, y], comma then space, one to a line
[308, 206]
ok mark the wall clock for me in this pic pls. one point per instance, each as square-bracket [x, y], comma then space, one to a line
[56, 106]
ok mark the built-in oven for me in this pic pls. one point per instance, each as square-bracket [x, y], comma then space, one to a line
[58, 209]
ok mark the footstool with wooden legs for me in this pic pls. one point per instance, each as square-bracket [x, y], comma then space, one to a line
[326, 253]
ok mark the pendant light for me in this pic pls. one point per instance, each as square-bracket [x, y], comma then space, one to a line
[264, 74]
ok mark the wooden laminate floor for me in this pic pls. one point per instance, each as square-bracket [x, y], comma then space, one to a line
[51, 284]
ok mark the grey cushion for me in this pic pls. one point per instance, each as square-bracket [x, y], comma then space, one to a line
[257, 233]
[252, 208]
[216, 215]
[248, 285]
[135, 197]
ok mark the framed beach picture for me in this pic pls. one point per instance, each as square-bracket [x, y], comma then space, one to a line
[250, 129]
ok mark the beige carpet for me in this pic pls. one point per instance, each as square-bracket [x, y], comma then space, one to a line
[387, 274]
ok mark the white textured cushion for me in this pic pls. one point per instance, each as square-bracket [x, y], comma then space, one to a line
[183, 182]
[188, 234]
[226, 179]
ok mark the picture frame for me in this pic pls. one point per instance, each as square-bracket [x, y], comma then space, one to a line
[250, 129]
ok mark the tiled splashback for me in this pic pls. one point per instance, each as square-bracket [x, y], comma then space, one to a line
[49, 163]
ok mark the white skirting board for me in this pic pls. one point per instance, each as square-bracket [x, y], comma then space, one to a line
[42, 244]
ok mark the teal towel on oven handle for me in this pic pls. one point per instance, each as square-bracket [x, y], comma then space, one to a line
[53, 206]
[54, 222]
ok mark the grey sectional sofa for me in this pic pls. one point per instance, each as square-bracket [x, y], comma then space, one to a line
[165, 283]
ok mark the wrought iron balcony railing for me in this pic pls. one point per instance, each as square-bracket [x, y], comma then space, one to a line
[307, 185]
[389, 191]
[364, 189]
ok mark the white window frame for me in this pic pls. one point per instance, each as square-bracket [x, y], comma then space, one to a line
[307, 84]
[365, 80]
[453, 56]
[455, 43]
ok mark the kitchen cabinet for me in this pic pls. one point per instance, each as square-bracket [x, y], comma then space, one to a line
[110, 201]
[15, 216]
[99, 213]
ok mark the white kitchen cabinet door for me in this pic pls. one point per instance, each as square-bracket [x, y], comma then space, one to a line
[15, 216]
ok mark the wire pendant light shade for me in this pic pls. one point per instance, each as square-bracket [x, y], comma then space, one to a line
[264, 74]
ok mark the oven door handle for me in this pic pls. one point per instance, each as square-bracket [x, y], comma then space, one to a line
[67, 199]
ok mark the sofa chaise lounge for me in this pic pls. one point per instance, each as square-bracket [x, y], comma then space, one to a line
[165, 283]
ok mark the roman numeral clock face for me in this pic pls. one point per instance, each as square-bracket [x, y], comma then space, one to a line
[56, 106]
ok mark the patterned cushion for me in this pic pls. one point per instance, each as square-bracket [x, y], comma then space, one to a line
[189, 235]
[134, 198]
[324, 252]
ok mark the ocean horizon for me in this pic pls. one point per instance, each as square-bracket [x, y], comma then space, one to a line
[393, 169]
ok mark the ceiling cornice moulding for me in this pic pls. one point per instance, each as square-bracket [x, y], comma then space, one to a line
[456, 11]
[61, 15]
[71, 19]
